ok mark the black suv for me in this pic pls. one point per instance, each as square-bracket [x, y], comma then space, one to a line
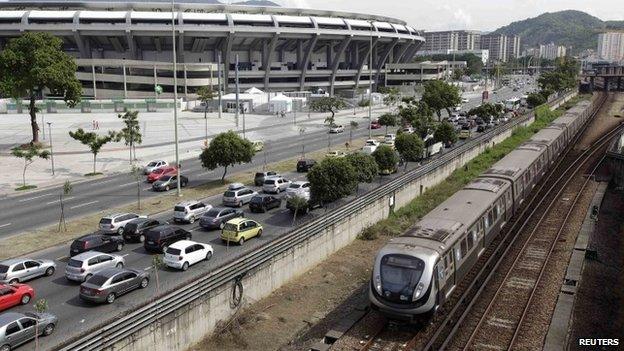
[97, 242]
[305, 165]
[260, 176]
[263, 203]
[159, 238]
[135, 229]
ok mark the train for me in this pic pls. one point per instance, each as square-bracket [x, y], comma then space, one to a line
[415, 273]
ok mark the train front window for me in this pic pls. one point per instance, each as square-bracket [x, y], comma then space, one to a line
[399, 276]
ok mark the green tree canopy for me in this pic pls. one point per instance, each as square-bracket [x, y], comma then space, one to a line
[410, 147]
[328, 104]
[487, 110]
[364, 165]
[93, 141]
[388, 120]
[386, 158]
[332, 179]
[33, 62]
[563, 77]
[535, 99]
[205, 95]
[440, 95]
[392, 98]
[417, 114]
[131, 132]
[28, 154]
[225, 150]
[446, 133]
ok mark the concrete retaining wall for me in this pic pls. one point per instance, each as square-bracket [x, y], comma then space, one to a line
[187, 326]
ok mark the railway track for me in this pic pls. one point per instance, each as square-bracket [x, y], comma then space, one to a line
[439, 331]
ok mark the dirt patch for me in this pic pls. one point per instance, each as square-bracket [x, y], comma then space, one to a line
[301, 310]
[604, 121]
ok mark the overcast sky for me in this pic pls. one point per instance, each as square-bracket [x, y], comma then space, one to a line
[483, 15]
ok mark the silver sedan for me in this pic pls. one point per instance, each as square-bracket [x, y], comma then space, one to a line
[18, 270]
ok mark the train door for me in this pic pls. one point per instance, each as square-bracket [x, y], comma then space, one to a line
[449, 273]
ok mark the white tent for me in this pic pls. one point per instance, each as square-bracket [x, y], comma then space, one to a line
[254, 91]
[280, 103]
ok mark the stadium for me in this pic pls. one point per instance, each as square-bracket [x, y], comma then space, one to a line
[124, 49]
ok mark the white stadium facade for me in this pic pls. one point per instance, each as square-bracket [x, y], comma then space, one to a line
[124, 49]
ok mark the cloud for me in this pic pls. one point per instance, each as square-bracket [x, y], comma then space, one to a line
[463, 19]
[300, 4]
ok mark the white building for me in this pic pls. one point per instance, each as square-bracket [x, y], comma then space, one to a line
[552, 51]
[611, 46]
[484, 55]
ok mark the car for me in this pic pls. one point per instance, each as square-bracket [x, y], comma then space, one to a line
[15, 294]
[263, 203]
[257, 145]
[481, 127]
[299, 188]
[167, 182]
[464, 133]
[239, 230]
[16, 270]
[464, 100]
[19, 328]
[275, 185]
[115, 223]
[408, 130]
[336, 128]
[158, 173]
[375, 125]
[260, 176]
[185, 253]
[83, 266]
[135, 230]
[294, 204]
[370, 146]
[152, 165]
[305, 164]
[389, 143]
[97, 242]
[337, 153]
[238, 197]
[107, 285]
[189, 211]
[390, 137]
[159, 238]
[216, 216]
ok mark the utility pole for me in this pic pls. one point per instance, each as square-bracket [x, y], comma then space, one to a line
[51, 152]
[370, 83]
[237, 91]
[175, 100]
[219, 81]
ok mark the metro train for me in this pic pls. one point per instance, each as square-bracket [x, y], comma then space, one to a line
[416, 272]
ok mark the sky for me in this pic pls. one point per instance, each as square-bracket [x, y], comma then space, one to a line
[485, 15]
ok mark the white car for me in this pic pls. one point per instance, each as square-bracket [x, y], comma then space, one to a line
[336, 154]
[390, 137]
[115, 223]
[185, 253]
[408, 130]
[389, 143]
[152, 165]
[299, 188]
[189, 211]
[336, 129]
[464, 100]
[275, 185]
[370, 146]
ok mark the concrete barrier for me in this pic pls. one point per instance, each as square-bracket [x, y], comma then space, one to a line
[186, 326]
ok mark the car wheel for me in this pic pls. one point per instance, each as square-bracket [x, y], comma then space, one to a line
[192, 219]
[241, 241]
[167, 188]
[110, 298]
[259, 233]
[14, 281]
[48, 329]
[25, 299]
[184, 184]
[185, 266]
[119, 265]
[87, 277]
[142, 238]
[5, 348]
[120, 246]
[144, 283]
[208, 256]
[120, 230]
[164, 248]
[49, 271]
[188, 237]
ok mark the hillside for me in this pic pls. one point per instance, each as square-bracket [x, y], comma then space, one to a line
[571, 28]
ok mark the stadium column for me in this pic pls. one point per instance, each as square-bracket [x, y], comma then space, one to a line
[267, 58]
[336, 61]
[410, 52]
[227, 46]
[384, 56]
[403, 50]
[306, 60]
[361, 62]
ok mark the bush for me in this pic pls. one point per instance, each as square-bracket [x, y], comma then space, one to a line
[386, 158]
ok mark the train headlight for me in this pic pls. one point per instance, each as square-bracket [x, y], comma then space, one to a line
[419, 290]
[378, 283]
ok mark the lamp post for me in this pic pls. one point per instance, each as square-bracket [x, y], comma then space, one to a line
[175, 100]
[219, 81]
[237, 91]
[43, 125]
[370, 83]
[51, 152]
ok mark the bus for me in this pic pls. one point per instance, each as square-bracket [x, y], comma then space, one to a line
[512, 104]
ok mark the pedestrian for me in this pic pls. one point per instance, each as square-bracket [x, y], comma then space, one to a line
[347, 145]
[93, 125]
[97, 125]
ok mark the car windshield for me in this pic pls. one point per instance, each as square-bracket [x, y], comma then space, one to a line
[230, 226]
[151, 164]
[106, 221]
[172, 251]
[74, 263]
[165, 178]
[179, 209]
[4, 269]
[229, 194]
[400, 274]
[212, 213]
[295, 186]
[97, 280]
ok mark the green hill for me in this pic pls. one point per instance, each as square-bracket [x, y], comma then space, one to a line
[571, 28]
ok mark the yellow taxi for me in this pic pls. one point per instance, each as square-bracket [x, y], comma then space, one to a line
[240, 229]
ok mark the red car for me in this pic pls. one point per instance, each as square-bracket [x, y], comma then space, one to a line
[15, 294]
[157, 173]
[375, 125]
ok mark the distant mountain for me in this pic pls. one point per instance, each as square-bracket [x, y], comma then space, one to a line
[256, 3]
[571, 28]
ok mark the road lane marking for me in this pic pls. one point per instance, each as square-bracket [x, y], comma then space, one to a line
[62, 258]
[33, 198]
[147, 268]
[124, 255]
[85, 204]
[55, 201]
[5, 225]
[106, 181]
[125, 185]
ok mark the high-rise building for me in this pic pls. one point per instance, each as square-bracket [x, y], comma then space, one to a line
[611, 46]
[452, 40]
[552, 51]
[513, 47]
[497, 45]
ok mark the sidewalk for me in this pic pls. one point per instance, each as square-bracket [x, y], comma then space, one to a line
[72, 159]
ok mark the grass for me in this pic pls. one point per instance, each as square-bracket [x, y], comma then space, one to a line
[405, 217]
[25, 187]
[93, 174]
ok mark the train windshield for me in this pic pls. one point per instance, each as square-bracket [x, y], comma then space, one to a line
[399, 276]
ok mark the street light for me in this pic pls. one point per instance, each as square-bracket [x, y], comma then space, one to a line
[370, 83]
[175, 100]
[51, 153]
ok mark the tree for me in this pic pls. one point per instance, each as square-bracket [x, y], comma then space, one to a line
[410, 147]
[157, 264]
[206, 94]
[93, 141]
[131, 133]
[364, 165]
[386, 158]
[487, 110]
[445, 133]
[41, 306]
[393, 97]
[417, 114]
[33, 62]
[563, 77]
[332, 179]
[387, 120]
[225, 150]
[440, 95]
[353, 125]
[67, 189]
[535, 99]
[297, 204]
[328, 104]
[28, 153]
